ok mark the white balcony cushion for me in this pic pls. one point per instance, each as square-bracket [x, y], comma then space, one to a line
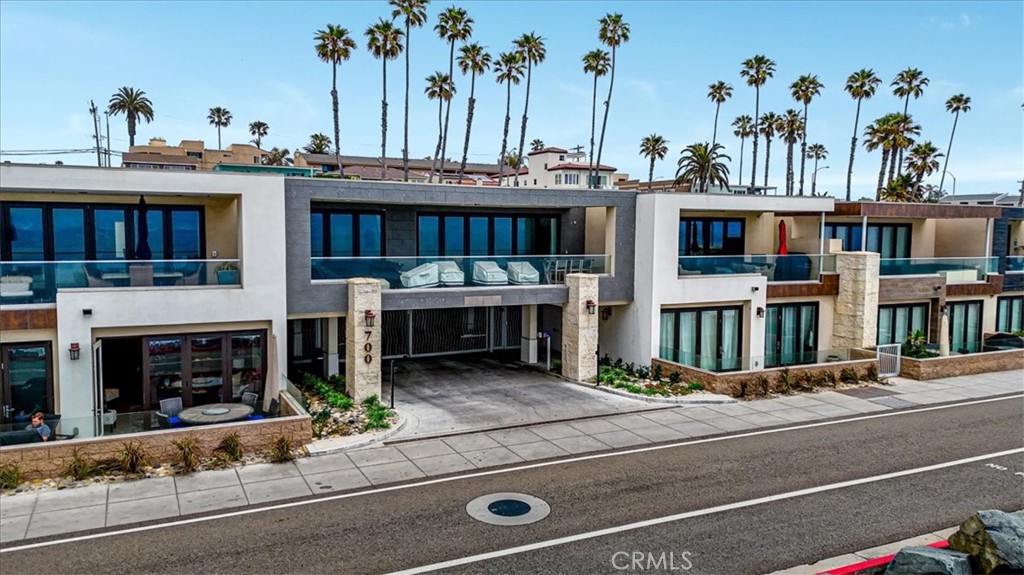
[489, 273]
[450, 274]
[522, 273]
[422, 276]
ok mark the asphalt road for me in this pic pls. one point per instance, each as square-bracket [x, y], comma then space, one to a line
[397, 529]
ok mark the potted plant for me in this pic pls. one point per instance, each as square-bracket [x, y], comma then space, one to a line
[227, 273]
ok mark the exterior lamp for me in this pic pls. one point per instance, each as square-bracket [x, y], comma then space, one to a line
[74, 351]
[760, 312]
[368, 317]
[591, 307]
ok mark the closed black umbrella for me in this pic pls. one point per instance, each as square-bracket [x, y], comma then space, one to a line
[142, 251]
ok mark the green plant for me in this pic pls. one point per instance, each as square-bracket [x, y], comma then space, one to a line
[605, 360]
[916, 346]
[763, 385]
[556, 366]
[328, 391]
[657, 372]
[370, 400]
[871, 374]
[227, 267]
[674, 377]
[821, 379]
[132, 457]
[1018, 332]
[80, 467]
[831, 379]
[695, 386]
[618, 362]
[849, 376]
[785, 381]
[189, 453]
[229, 448]
[377, 417]
[806, 381]
[743, 389]
[643, 372]
[281, 449]
[11, 476]
[630, 368]
[322, 422]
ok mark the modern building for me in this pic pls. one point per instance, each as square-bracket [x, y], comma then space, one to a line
[189, 155]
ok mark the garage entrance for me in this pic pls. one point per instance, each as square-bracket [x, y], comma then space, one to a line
[433, 332]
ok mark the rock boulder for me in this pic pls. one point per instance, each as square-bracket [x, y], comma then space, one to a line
[995, 539]
[927, 560]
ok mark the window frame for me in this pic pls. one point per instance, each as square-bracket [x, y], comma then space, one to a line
[706, 234]
[326, 212]
[832, 227]
[965, 304]
[799, 321]
[698, 311]
[910, 315]
[1006, 303]
[490, 217]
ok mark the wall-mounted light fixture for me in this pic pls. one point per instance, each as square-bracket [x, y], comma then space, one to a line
[369, 317]
[74, 351]
[591, 306]
[760, 312]
[755, 288]
[606, 313]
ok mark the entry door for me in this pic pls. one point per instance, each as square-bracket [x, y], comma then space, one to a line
[27, 381]
[306, 348]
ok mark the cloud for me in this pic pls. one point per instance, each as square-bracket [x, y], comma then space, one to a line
[961, 22]
[645, 88]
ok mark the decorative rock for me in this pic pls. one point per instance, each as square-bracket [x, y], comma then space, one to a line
[995, 540]
[930, 561]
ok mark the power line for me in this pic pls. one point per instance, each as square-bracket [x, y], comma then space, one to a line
[52, 152]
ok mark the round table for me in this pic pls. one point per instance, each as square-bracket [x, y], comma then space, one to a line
[215, 413]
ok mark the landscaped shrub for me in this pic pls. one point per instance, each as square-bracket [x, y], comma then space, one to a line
[132, 457]
[643, 372]
[189, 453]
[674, 377]
[785, 381]
[329, 392]
[849, 376]
[229, 448]
[630, 368]
[657, 372]
[618, 362]
[281, 450]
[762, 384]
[806, 381]
[871, 374]
[916, 346]
[743, 389]
[80, 467]
[605, 360]
[322, 422]
[11, 476]
[695, 386]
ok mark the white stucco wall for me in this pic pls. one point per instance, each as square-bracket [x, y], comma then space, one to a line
[260, 302]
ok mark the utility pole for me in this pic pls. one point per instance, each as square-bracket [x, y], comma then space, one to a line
[107, 114]
[577, 149]
[96, 130]
[1020, 202]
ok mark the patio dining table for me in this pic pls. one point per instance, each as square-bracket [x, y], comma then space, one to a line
[215, 413]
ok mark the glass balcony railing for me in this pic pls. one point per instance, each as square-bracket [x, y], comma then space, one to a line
[458, 271]
[1014, 264]
[787, 268]
[956, 270]
[38, 282]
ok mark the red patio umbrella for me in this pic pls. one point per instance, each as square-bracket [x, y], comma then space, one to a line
[782, 238]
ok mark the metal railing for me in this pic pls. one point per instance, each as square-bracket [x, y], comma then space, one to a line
[411, 272]
[956, 270]
[777, 268]
[38, 282]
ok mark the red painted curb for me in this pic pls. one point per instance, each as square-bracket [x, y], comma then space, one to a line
[872, 563]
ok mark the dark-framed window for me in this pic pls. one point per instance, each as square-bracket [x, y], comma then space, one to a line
[709, 338]
[965, 319]
[26, 385]
[346, 233]
[1010, 314]
[87, 232]
[791, 334]
[897, 321]
[712, 236]
[477, 234]
[889, 240]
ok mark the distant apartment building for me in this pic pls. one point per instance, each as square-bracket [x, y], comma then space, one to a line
[558, 168]
[369, 168]
[189, 155]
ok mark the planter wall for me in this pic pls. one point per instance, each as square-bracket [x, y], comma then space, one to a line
[729, 383]
[954, 365]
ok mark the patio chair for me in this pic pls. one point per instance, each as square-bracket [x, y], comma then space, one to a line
[249, 398]
[171, 408]
[275, 408]
[163, 420]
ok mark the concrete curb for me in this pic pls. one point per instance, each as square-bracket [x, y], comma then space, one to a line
[326, 446]
[698, 399]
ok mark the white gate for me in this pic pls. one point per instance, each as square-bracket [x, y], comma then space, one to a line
[889, 360]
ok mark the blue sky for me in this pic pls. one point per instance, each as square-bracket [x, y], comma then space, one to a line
[257, 60]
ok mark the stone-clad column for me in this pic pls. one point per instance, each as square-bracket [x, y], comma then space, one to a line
[579, 329]
[362, 342]
[855, 322]
[528, 345]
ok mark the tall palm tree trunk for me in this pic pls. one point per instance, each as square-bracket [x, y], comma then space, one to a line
[814, 178]
[881, 173]
[384, 124]
[899, 163]
[767, 157]
[739, 173]
[447, 111]
[469, 123]
[892, 165]
[131, 129]
[757, 111]
[522, 132]
[949, 149]
[593, 128]
[218, 138]
[803, 151]
[650, 175]
[789, 169]
[853, 150]
[504, 137]
[440, 133]
[714, 139]
[604, 123]
[405, 142]
[337, 128]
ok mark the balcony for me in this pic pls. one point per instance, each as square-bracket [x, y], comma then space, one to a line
[956, 270]
[38, 282]
[777, 268]
[1014, 264]
[471, 271]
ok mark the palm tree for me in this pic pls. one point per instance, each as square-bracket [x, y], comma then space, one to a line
[792, 131]
[473, 60]
[414, 14]
[744, 129]
[653, 147]
[277, 157]
[876, 136]
[334, 46]
[922, 161]
[509, 70]
[531, 48]
[220, 117]
[815, 152]
[703, 166]
[134, 105]
[596, 62]
[860, 85]
[536, 144]
[900, 189]
[903, 128]
[804, 89]
[512, 158]
[955, 105]
[757, 70]
[613, 33]
[453, 24]
[909, 82]
[718, 93]
[441, 88]
[258, 130]
[384, 41]
[319, 143]
[770, 124]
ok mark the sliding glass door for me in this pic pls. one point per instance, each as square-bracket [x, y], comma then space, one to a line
[791, 334]
[1010, 314]
[896, 322]
[965, 326]
[708, 338]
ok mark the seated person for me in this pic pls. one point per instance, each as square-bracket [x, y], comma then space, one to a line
[38, 426]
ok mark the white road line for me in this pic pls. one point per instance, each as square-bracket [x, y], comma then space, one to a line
[697, 513]
[503, 471]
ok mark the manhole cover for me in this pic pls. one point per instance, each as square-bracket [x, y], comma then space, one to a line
[508, 509]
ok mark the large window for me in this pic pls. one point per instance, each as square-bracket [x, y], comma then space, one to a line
[1010, 314]
[889, 240]
[791, 334]
[711, 236]
[708, 338]
[74, 232]
[965, 326]
[486, 235]
[346, 233]
[895, 322]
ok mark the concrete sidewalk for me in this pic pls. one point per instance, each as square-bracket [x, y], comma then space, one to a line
[30, 515]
